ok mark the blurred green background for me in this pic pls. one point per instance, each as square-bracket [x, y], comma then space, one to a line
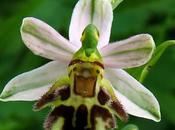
[156, 17]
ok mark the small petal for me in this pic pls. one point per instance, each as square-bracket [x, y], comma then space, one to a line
[32, 85]
[97, 12]
[44, 41]
[132, 52]
[135, 98]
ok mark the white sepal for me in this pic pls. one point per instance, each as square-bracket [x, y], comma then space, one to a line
[132, 52]
[97, 12]
[44, 41]
[135, 98]
[32, 85]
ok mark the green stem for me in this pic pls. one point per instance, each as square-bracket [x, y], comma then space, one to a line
[156, 56]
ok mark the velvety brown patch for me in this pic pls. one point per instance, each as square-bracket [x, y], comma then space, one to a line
[98, 111]
[103, 96]
[81, 117]
[63, 93]
[99, 64]
[43, 101]
[75, 62]
[80, 62]
[62, 111]
[117, 106]
[84, 87]
[67, 112]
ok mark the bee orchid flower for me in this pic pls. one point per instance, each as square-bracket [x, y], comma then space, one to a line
[85, 83]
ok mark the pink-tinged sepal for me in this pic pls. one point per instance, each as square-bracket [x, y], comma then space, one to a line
[97, 12]
[45, 41]
[132, 52]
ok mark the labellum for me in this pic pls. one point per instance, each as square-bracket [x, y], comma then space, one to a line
[83, 101]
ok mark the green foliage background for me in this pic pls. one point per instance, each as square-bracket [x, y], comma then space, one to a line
[156, 17]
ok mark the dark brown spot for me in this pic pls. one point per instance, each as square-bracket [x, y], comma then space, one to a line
[117, 106]
[70, 73]
[81, 117]
[63, 93]
[75, 69]
[103, 96]
[97, 71]
[81, 62]
[62, 111]
[99, 64]
[75, 62]
[106, 116]
[84, 87]
[43, 101]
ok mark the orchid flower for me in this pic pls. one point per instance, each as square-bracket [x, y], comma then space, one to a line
[85, 84]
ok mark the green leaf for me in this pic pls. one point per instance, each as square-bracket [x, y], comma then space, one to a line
[115, 3]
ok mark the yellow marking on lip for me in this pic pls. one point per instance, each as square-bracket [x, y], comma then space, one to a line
[58, 124]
